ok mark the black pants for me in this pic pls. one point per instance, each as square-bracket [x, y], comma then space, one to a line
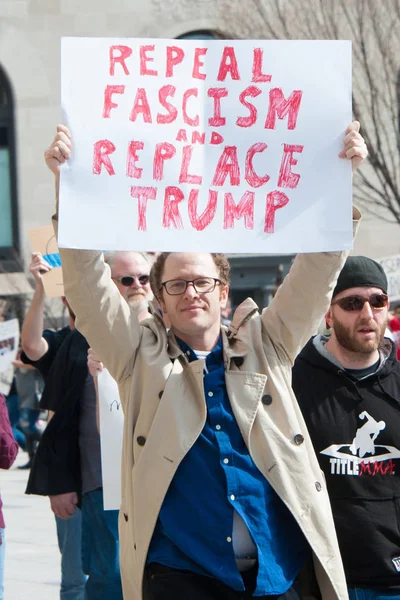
[163, 583]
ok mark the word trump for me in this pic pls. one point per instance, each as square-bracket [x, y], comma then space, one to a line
[227, 171]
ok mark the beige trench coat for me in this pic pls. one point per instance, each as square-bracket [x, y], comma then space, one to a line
[165, 409]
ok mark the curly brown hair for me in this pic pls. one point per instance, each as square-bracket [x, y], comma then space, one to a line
[157, 270]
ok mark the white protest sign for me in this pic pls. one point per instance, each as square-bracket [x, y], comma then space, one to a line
[9, 341]
[226, 145]
[111, 431]
[391, 266]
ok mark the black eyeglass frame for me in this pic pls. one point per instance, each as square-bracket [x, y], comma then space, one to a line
[357, 297]
[142, 279]
[192, 281]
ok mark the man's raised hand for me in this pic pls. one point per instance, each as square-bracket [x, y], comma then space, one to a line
[38, 266]
[59, 150]
[354, 146]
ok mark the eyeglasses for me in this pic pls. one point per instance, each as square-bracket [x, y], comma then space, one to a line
[127, 280]
[202, 285]
[356, 303]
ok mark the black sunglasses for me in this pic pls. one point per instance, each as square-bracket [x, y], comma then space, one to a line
[127, 280]
[356, 303]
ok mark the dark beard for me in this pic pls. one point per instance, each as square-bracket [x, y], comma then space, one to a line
[348, 342]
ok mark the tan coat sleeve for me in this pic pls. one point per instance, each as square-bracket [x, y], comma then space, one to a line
[302, 300]
[102, 315]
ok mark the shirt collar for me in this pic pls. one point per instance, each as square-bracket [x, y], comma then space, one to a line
[214, 357]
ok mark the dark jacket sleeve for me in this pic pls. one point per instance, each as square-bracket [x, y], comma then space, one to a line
[56, 465]
[54, 340]
[8, 445]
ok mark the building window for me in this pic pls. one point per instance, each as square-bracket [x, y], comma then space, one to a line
[8, 202]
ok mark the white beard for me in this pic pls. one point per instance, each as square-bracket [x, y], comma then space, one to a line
[138, 302]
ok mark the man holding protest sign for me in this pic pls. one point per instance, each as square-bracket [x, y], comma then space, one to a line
[223, 146]
[221, 490]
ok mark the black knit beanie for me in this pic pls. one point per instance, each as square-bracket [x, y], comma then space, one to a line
[360, 271]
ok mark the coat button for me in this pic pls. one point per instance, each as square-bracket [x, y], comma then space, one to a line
[266, 399]
[318, 486]
[126, 517]
[238, 360]
[160, 394]
[141, 440]
[298, 439]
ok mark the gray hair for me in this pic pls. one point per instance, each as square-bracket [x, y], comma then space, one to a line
[109, 256]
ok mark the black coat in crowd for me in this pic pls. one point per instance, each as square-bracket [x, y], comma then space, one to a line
[56, 465]
[355, 428]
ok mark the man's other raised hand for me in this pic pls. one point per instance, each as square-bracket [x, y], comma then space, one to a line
[59, 150]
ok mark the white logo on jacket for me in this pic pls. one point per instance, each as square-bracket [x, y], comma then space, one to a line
[396, 562]
[351, 459]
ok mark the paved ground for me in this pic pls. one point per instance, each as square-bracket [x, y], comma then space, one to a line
[32, 566]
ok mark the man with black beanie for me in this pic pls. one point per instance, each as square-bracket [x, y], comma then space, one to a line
[348, 388]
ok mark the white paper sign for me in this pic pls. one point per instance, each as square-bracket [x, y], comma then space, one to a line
[229, 146]
[391, 266]
[9, 341]
[111, 431]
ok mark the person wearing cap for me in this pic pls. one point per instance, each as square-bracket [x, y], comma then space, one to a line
[348, 388]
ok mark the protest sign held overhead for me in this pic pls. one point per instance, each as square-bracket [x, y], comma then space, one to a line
[111, 431]
[43, 240]
[9, 341]
[228, 146]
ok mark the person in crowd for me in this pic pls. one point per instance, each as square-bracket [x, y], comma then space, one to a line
[222, 496]
[29, 385]
[348, 388]
[8, 453]
[12, 402]
[396, 312]
[394, 327]
[68, 464]
[46, 476]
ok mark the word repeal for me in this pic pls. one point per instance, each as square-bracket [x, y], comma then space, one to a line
[121, 58]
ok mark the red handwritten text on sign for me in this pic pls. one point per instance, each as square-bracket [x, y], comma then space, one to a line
[128, 96]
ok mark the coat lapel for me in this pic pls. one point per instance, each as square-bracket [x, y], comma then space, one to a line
[245, 391]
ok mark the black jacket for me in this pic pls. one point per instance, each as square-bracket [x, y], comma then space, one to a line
[56, 465]
[355, 428]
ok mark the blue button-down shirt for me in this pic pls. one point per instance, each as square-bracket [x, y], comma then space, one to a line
[217, 475]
